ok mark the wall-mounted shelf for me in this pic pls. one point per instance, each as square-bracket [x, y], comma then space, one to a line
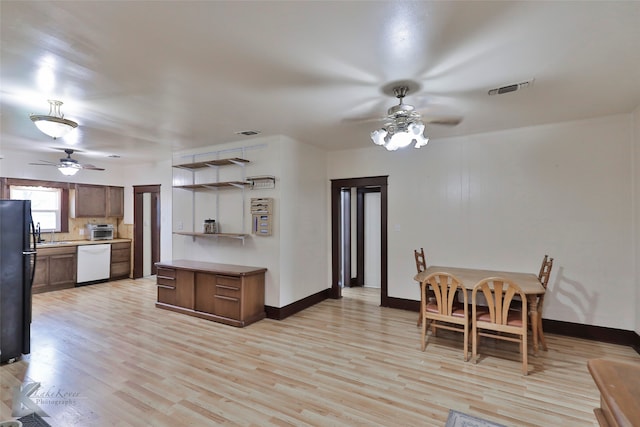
[239, 236]
[214, 185]
[212, 163]
[208, 170]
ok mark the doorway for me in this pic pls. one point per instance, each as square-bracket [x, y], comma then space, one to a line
[146, 229]
[341, 234]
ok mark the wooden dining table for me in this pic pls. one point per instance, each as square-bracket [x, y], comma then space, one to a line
[528, 282]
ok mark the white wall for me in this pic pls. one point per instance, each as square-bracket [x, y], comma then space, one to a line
[295, 255]
[303, 222]
[502, 200]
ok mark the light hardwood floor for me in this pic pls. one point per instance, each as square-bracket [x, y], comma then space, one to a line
[342, 362]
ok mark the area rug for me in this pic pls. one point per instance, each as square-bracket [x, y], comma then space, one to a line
[33, 420]
[458, 419]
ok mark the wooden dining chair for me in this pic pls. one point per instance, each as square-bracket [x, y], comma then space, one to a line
[497, 319]
[444, 311]
[421, 265]
[543, 276]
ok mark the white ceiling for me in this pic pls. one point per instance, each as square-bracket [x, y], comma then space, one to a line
[147, 78]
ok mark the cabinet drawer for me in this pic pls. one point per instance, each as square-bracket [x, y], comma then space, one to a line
[228, 286]
[122, 245]
[120, 269]
[166, 294]
[227, 306]
[120, 255]
[166, 272]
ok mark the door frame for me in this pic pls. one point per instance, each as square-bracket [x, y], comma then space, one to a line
[337, 186]
[138, 228]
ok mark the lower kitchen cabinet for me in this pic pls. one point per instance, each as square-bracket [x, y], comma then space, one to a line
[55, 269]
[230, 294]
[120, 260]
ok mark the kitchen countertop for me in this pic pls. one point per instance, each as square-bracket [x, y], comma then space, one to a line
[64, 243]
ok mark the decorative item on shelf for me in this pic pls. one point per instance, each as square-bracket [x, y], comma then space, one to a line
[210, 226]
[54, 124]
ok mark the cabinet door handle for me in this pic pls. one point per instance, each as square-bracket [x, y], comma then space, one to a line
[226, 298]
[166, 287]
[165, 277]
[231, 288]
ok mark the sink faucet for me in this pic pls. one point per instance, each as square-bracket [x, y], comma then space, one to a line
[38, 235]
[53, 236]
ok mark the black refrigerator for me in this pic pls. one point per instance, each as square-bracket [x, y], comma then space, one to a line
[17, 267]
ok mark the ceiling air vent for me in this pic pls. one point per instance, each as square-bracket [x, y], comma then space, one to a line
[248, 132]
[511, 88]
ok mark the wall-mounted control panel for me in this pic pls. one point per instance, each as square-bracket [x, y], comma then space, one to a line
[262, 216]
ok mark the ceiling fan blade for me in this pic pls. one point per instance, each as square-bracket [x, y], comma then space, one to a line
[364, 119]
[92, 168]
[44, 163]
[443, 120]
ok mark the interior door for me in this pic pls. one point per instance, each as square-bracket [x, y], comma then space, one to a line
[152, 254]
[338, 187]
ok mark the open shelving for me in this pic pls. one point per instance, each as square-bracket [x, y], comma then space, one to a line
[241, 184]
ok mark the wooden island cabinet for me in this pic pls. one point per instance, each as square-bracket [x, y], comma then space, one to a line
[619, 385]
[225, 293]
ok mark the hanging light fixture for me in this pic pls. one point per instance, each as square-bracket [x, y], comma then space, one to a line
[403, 127]
[69, 169]
[54, 124]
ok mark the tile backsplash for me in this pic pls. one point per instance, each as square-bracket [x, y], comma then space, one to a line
[77, 229]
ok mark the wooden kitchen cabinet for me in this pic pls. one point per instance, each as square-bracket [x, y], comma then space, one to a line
[230, 294]
[55, 269]
[89, 201]
[96, 201]
[115, 202]
[120, 260]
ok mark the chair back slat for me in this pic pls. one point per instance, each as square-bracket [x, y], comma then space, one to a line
[545, 270]
[445, 287]
[499, 294]
[421, 262]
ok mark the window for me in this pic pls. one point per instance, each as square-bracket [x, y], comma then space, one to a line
[46, 204]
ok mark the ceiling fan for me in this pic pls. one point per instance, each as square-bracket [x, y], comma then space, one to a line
[403, 123]
[67, 165]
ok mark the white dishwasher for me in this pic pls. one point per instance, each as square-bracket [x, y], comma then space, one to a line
[94, 263]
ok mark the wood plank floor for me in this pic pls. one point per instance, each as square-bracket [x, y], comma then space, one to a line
[348, 362]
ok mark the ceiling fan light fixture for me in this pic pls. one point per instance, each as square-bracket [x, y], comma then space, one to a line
[69, 169]
[400, 135]
[54, 124]
[404, 126]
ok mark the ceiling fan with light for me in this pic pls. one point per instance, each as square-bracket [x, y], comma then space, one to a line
[403, 124]
[67, 165]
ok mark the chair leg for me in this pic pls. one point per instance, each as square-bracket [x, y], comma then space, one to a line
[419, 319]
[474, 343]
[424, 333]
[525, 366]
[541, 334]
[466, 343]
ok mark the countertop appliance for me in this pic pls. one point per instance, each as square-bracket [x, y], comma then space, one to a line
[93, 264]
[100, 231]
[17, 267]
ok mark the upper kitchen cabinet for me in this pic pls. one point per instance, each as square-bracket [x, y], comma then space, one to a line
[96, 201]
[115, 202]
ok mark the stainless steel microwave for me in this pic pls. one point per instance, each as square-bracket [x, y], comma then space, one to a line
[100, 232]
